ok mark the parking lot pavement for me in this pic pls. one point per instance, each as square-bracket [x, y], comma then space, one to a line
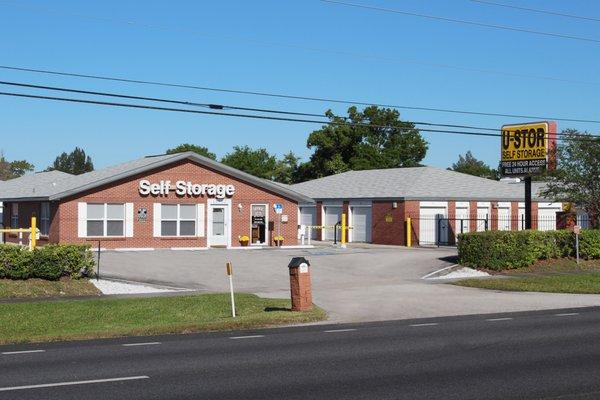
[361, 283]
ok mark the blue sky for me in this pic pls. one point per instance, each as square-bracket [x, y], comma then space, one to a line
[266, 46]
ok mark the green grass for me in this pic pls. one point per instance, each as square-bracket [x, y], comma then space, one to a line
[102, 318]
[584, 283]
[32, 288]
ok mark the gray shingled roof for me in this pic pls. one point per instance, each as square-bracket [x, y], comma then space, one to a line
[55, 185]
[419, 183]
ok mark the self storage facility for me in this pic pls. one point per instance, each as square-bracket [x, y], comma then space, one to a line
[440, 204]
[169, 201]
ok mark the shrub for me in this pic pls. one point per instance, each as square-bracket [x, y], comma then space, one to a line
[499, 250]
[48, 262]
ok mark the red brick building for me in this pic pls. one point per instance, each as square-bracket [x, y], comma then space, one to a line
[439, 203]
[169, 201]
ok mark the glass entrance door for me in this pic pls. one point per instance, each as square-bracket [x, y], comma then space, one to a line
[259, 224]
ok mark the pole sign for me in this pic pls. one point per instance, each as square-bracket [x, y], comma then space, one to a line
[528, 149]
[278, 208]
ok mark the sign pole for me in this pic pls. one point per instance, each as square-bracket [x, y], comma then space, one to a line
[528, 202]
[230, 275]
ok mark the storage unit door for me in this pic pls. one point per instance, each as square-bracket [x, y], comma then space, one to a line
[547, 216]
[504, 218]
[308, 217]
[333, 214]
[361, 224]
[433, 226]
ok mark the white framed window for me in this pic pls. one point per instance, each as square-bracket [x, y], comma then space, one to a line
[105, 219]
[45, 218]
[14, 215]
[178, 219]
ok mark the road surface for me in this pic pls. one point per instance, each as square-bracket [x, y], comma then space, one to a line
[534, 355]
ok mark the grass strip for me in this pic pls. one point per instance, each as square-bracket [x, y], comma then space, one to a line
[102, 318]
[32, 288]
[588, 283]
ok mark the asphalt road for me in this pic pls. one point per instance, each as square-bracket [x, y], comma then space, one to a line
[539, 355]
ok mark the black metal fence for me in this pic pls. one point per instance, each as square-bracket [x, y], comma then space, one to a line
[442, 231]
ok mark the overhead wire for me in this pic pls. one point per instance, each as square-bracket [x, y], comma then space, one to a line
[537, 10]
[264, 117]
[294, 97]
[260, 42]
[464, 22]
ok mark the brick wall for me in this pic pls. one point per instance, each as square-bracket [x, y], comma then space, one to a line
[126, 191]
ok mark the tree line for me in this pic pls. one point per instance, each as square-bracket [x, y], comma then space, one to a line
[374, 138]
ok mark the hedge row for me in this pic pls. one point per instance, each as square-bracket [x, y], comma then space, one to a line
[51, 262]
[499, 250]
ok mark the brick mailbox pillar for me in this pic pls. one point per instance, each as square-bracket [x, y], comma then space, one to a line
[300, 284]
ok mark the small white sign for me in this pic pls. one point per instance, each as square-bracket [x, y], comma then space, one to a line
[284, 218]
[577, 229]
[278, 208]
[303, 268]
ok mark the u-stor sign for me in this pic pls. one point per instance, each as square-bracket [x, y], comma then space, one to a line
[528, 149]
[183, 188]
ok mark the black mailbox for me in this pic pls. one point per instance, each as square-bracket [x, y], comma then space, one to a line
[297, 261]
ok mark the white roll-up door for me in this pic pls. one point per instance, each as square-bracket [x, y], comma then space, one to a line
[333, 214]
[547, 216]
[504, 216]
[433, 225]
[308, 217]
[462, 217]
[361, 224]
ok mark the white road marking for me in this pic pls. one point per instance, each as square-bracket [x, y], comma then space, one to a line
[247, 337]
[427, 324]
[498, 319]
[339, 330]
[22, 352]
[140, 344]
[46, 385]
[566, 314]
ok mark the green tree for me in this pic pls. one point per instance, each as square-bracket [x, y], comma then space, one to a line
[576, 178]
[13, 169]
[75, 162]
[203, 151]
[368, 139]
[286, 169]
[256, 162]
[472, 166]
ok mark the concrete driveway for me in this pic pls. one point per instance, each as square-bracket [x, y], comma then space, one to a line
[363, 283]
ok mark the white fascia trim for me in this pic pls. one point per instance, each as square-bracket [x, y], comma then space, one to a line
[433, 204]
[135, 249]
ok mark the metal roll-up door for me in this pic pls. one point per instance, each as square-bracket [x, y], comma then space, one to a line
[333, 214]
[433, 226]
[308, 217]
[361, 224]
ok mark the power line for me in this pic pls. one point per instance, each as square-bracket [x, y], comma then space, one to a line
[213, 106]
[263, 117]
[537, 10]
[130, 23]
[222, 106]
[294, 97]
[465, 22]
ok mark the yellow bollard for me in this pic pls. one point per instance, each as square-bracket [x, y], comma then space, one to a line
[33, 233]
[408, 232]
[343, 230]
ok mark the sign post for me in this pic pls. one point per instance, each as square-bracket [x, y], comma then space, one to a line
[577, 231]
[278, 210]
[526, 150]
[230, 275]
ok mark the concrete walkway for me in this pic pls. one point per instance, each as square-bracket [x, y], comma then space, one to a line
[362, 283]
